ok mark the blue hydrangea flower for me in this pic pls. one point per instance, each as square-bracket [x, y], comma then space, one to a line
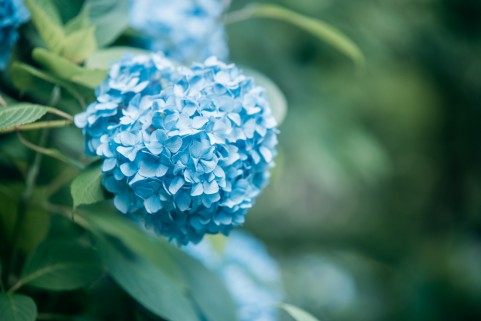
[12, 15]
[185, 30]
[186, 150]
[249, 273]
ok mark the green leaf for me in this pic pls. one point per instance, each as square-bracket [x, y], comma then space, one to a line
[86, 188]
[297, 313]
[147, 284]
[205, 288]
[66, 70]
[110, 18]
[51, 9]
[318, 28]
[90, 78]
[25, 78]
[61, 266]
[49, 30]
[38, 88]
[276, 98]
[55, 63]
[68, 9]
[79, 45]
[35, 222]
[34, 229]
[153, 249]
[75, 42]
[79, 22]
[21, 114]
[17, 308]
[103, 59]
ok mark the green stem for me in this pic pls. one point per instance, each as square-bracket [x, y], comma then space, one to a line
[60, 113]
[239, 15]
[316, 27]
[51, 153]
[37, 125]
[15, 287]
[29, 186]
[67, 213]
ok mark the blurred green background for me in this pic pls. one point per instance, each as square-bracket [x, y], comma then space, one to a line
[374, 210]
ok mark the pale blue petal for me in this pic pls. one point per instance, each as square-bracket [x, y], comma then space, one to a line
[176, 184]
[197, 190]
[152, 204]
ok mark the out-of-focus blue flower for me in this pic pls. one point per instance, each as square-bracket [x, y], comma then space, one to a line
[249, 273]
[185, 30]
[186, 150]
[12, 15]
[133, 77]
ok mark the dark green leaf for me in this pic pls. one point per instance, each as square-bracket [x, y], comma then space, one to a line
[153, 249]
[14, 156]
[35, 222]
[6, 99]
[17, 307]
[21, 114]
[204, 287]
[34, 229]
[147, 284]
[86, 188]
[60, 266]
[110, 18]
[297, 313]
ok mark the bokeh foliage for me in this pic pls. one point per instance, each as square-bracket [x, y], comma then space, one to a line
[375, 210]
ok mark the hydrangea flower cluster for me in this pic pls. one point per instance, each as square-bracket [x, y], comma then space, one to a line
[249, 273]
[185, 30]
[186, 150]
[12, 15]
